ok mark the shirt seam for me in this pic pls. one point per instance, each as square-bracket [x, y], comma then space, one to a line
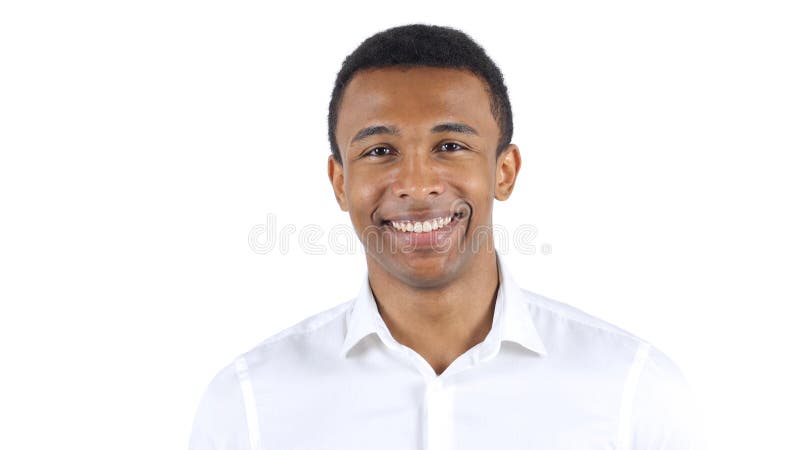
[630, 388]
[249, 399]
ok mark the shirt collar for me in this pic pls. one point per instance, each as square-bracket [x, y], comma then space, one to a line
[512, 320]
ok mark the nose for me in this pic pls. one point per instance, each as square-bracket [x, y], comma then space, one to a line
[417, 178]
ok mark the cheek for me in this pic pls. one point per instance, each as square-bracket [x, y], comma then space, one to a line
[479, 187]
[363, 194]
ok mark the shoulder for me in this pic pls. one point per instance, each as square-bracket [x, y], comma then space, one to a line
[568, 330]
[319, 334]
[318, 327]
[661, 409]
[576, 334]
[547, 308]
[309, 325]
[658, 408]
[220, 421]
[657, 404]
[221, 418]
[555, 316]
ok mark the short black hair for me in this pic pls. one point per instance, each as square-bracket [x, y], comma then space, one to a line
[420, 45]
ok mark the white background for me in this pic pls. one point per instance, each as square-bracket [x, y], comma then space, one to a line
[142, 141]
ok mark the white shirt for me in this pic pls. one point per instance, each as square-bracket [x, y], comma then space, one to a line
[547, 376]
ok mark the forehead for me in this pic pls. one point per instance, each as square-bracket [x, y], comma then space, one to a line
[413, 97]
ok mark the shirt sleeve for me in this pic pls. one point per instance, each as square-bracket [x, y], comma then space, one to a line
[664, 411]
[220, 422]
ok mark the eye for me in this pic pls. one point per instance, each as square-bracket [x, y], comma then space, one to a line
[449, 147]
[379, 151]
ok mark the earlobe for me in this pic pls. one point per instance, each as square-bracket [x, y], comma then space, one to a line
[508, 166]
[336, 177]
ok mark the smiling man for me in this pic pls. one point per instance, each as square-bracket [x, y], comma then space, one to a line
[441, 349]
[415, 163]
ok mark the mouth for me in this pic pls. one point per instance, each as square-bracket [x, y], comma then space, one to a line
[424, 225]
[431, 230]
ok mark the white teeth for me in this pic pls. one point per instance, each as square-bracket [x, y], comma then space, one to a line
[421, 227]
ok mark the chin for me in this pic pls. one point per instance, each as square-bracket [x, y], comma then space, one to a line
[427, 270]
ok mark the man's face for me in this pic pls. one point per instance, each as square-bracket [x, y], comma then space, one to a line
[418, 150]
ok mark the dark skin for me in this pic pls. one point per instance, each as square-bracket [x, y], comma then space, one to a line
[436, 297]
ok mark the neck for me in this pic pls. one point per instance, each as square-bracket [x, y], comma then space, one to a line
[439, 322]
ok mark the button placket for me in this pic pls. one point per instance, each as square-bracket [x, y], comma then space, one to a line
[439, 415]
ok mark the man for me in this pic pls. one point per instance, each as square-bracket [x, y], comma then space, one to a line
[441, 349]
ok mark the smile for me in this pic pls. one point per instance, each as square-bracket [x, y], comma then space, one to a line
[425, 226]
[418, 231]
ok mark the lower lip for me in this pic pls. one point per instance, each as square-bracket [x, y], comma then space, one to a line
[409, 241]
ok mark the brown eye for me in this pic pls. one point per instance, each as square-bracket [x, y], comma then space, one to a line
[451, 147]
[379, 151]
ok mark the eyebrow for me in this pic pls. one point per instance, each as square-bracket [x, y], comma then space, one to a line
[373, 130]
[455, 127]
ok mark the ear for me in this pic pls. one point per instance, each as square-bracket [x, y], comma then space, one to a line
[506, 173]
[336, 175]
